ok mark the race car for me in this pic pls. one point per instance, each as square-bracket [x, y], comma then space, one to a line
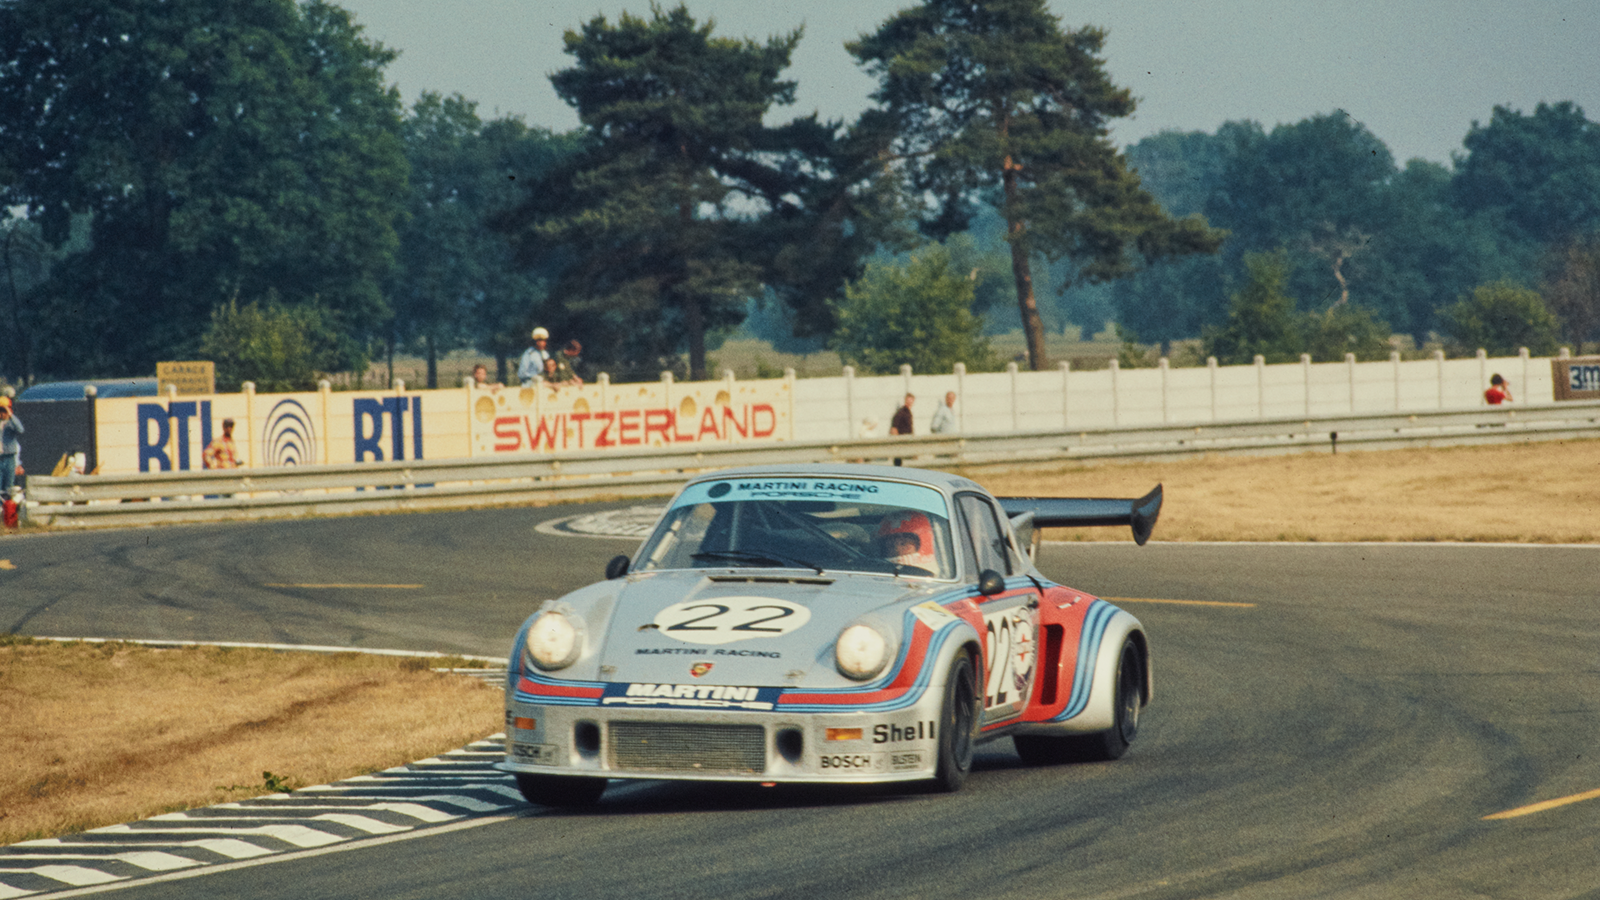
[826, 624]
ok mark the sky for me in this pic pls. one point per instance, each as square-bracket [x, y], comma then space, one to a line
[1417, 73]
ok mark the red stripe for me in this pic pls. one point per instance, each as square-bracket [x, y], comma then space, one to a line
[558, 690]
[904, 680]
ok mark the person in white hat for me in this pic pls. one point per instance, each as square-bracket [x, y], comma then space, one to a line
[530, 368]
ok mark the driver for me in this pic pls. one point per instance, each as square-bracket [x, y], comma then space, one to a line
[906, 538]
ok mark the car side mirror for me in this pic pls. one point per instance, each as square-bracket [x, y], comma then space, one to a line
[990, 582]
[617, 567]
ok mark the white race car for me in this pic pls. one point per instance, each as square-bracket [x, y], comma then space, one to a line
[826, 623]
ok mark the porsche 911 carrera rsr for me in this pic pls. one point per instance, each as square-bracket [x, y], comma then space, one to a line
[826, 623]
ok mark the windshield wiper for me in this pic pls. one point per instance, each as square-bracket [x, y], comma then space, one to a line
[762, 557]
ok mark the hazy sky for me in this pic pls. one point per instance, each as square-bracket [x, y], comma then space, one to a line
[1415, 72]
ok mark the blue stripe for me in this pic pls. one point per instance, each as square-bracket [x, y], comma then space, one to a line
[1094, 630]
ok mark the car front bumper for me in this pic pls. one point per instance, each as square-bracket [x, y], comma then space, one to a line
[672, 744]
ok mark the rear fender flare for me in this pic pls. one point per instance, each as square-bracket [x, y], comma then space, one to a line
[1099, 712]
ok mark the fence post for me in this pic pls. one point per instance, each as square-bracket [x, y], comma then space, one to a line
[1011, 369]
[91, 460]
[1164, 390]
[1305, 379]
[788, 381]
[851, 429]
[325, 395]
[1211, 368]
[1261, 386]
[960, 370]
[1350, 376]
[1439, 375]
[1116, 405]
[1394, 361]
[1522, 353]
[1066, 370]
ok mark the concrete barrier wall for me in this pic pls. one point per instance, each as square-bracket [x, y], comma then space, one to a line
[142, 434]
[996, 402]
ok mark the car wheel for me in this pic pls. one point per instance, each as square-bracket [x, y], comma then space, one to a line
[560, 790]
[1112, 743]
[958, 727]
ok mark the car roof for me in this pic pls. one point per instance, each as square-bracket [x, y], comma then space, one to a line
[942, 481]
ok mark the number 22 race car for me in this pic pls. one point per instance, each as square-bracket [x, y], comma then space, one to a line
[826, 624]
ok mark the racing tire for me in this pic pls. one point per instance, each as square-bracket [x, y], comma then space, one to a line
[1113, 743]
[958, 727]
[560, 790]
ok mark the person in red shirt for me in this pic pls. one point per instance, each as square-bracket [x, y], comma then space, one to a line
[1499, 392]
[221, 453]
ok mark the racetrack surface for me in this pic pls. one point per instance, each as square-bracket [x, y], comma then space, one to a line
[1329, 721]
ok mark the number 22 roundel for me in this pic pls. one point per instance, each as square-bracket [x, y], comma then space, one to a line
[724, 620]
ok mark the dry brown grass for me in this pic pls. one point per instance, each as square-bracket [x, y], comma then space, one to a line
[1546, 492]
[97, 734]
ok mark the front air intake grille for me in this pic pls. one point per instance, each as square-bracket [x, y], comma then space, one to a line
[673, 747]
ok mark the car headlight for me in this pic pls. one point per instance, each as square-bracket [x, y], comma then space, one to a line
[861, 652]
[553, 641]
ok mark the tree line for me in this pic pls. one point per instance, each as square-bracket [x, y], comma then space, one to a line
[235, 180]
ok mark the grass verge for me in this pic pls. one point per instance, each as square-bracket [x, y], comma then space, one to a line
[1542, 492]
[98, 734]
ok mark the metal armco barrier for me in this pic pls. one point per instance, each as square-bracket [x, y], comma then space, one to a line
[148, 498]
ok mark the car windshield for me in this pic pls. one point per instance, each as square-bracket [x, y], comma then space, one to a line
[851, 524]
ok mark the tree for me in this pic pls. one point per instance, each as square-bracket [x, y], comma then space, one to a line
[280, 349]
[1261, 317]
[244, 148]
[917, 314]
[991, 100]
[1539, 174]
[682, 203]
[1345, 328]
[1572, 285]
[1500, 318]
[457, 283]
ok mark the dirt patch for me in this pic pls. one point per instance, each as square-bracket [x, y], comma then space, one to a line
[97, 734]
[1544, 492]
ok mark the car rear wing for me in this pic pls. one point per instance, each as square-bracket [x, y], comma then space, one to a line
[1029, 514]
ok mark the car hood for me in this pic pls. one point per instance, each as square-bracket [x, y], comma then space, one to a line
[721, 627]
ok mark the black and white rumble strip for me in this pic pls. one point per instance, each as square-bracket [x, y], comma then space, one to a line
[458, 785]
[633, 523]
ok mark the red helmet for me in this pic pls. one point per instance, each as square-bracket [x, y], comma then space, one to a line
[914, 525]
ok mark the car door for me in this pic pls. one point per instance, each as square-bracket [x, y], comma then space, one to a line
[1010, 618]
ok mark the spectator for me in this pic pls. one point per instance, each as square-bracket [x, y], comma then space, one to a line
[531, 366]
[1499, 392]
[573, 357]
[944, 418]
[901, 423]
[480, 379]
[221, 453]
[10, 448]
[558, 373]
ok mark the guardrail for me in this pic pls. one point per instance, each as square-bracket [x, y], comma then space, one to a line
[147, 498]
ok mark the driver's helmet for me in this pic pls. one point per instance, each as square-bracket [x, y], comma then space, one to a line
[906, 538]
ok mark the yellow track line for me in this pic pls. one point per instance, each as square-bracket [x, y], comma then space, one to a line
[1178, 602]
[387, 586]
[1532, 808]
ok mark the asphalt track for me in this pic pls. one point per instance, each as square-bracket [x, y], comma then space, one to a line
[1329, 721]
